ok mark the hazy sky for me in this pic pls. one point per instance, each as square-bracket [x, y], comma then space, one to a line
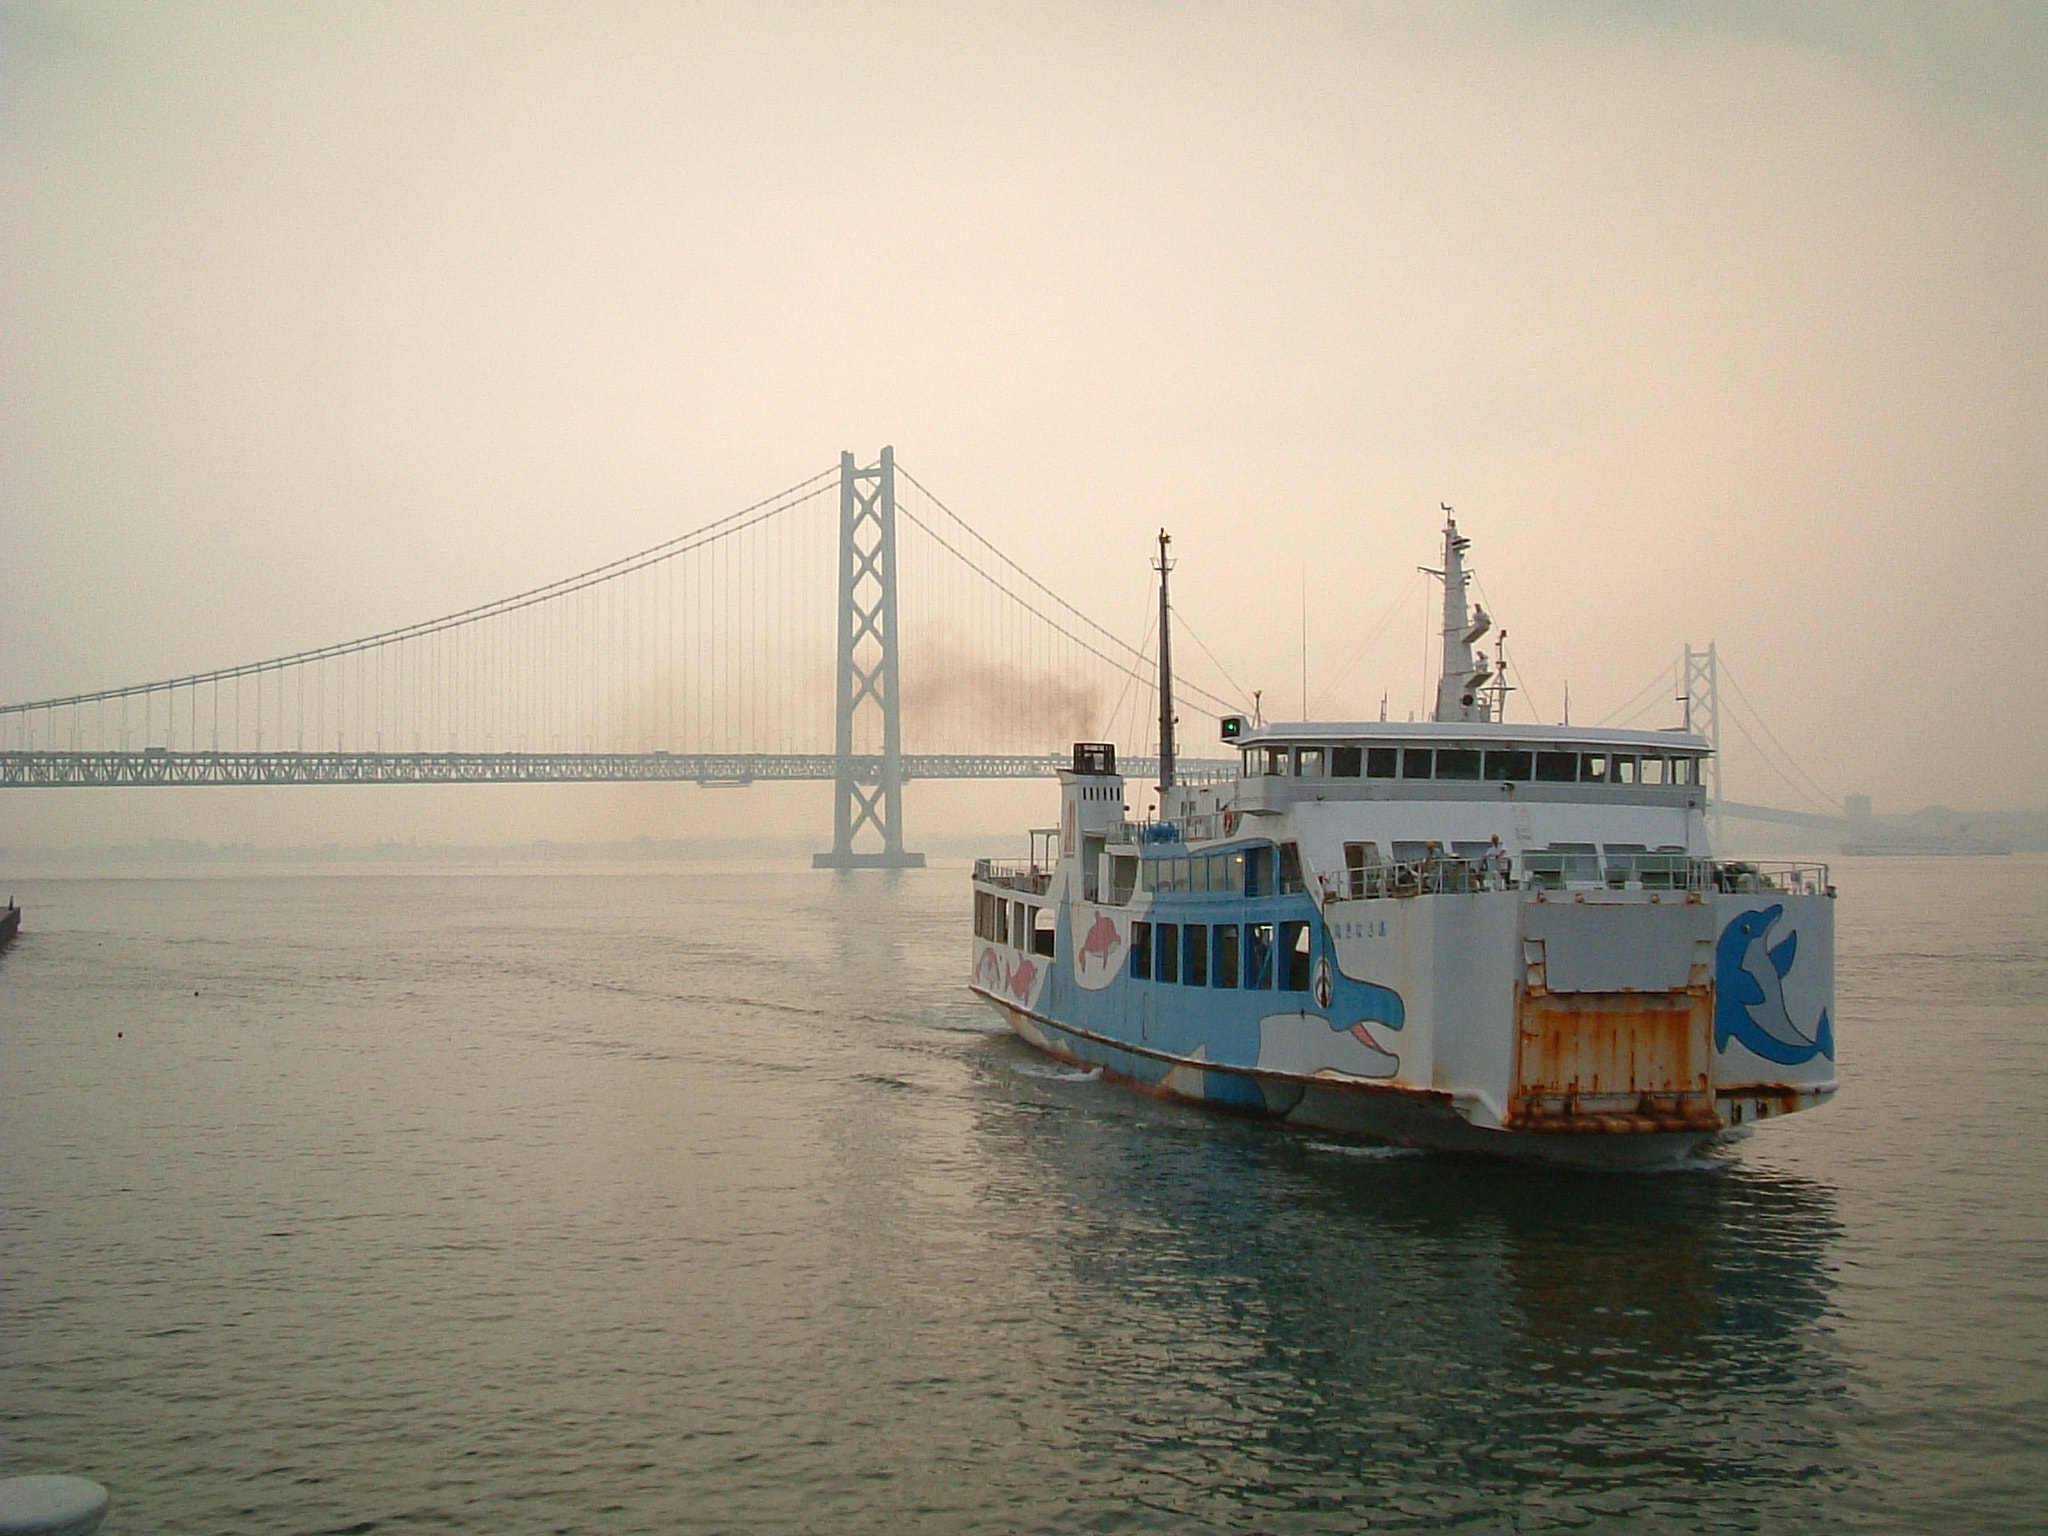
[1718, 322]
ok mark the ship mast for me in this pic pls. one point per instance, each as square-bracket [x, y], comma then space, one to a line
[1459, 694]
[1163, 566]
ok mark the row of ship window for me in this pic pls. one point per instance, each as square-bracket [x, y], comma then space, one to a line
[1255, 956]
[1507, 765]
[1263, 869]
[1022, 923]
[1267, 869]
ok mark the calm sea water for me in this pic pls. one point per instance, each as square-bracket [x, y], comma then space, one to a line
[699, 1198]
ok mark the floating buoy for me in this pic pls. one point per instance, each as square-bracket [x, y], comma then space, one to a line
[51, 1505]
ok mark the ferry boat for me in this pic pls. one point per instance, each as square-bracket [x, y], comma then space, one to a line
[1460, 933]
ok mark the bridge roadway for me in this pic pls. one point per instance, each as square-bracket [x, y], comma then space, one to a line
[158, 767]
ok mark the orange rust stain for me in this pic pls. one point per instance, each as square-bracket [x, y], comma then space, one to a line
[1613, 1062]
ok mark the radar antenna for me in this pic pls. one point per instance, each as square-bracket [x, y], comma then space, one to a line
[1462, 691]
[1163, 566]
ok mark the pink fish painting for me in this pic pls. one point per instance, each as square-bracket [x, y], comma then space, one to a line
[1103, 940]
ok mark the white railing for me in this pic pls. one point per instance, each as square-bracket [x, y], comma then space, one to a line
[1422, 877]
[1547, 870]
[1014, 875]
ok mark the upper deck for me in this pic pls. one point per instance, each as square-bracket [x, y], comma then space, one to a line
[1470, 752]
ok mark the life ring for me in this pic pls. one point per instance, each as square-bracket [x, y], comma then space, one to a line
[1230, 823]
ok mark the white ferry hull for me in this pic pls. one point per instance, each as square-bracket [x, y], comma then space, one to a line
[1386, 1114]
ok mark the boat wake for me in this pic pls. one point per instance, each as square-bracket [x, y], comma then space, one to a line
[1370, 1153]
[1061, 1074]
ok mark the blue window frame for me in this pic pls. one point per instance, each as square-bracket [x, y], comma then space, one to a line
[1258, 956]
[1225, 972]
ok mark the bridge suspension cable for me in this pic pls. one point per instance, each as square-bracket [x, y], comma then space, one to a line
[1642, 701]
[1812, 790]
[716, 642]
[668, 549]
[1103, 644]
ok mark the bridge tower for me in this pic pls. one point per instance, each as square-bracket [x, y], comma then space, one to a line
[1703, 716]
[867, 792]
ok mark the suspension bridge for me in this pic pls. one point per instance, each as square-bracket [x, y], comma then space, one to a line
[852, 628]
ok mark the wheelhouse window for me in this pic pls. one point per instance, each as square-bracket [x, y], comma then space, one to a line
[1621, 770]
[1653, 770]
[1557, 767]
[1511, 765]
[1457, 763]
[1344, 762]
[1415, 763]
[1308, 763]
[1277, 761]
[1382, 762]
[1593, 768]
[1123, 878]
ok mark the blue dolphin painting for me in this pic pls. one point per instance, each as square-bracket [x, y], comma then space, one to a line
[1370, 1003]
[1749, 993]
